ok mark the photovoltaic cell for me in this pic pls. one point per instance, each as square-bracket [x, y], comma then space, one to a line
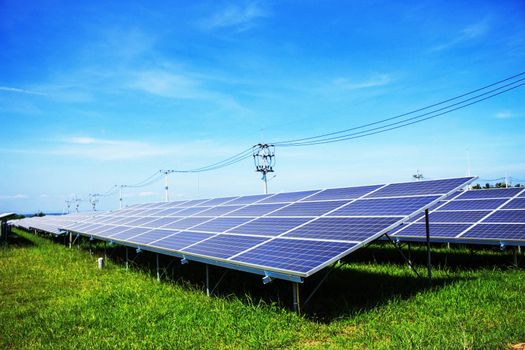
[497, 231]
[343, 229]
[473, 204]
[288, 197]
[185, 223]
[218, 201]
[129, 233]
[219, 210]
[516, 203]
[152, 236]
[419, 188]
[308, 208]
[293, 255]
[248, 199]
[384, 206]
[507, 216]
[343, 193]
[181, 240]
[436, 230]
[160, 222]
[455, 216]
[269, 226]
[256, 210]
[190, 211]
[492, 193]
[221, 224]
[224, 246]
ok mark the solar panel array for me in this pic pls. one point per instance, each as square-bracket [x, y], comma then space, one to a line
[493, 216]
[295, 233]
[50, 223]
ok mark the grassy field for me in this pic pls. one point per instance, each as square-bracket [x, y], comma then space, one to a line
[53, 297]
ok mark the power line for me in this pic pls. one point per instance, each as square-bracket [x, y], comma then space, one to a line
[329, 137]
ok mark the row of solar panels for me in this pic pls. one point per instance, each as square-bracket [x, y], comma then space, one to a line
[288, 234]
[480, 216]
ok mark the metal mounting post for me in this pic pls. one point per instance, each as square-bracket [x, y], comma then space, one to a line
[429, 262]
[158, 267]
[515, 257]
[127, 260]
[207, 280]
[317, 286]
[296, 301]
[105, 252]
[70, 239]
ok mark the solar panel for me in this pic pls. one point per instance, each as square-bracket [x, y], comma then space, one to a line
[289, 235]
[501, 220]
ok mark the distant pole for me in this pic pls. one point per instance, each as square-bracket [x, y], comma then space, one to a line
[120, 197]
[506, 181]
[166, 187]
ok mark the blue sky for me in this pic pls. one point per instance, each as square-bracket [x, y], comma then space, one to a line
[98, 93]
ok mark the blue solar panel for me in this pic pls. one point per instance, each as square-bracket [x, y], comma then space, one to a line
[129, 233]
[293, 255]
[497, 231]
[491, 193]
[522, 194]
[160, 222]
[516, 203]
[185, 223]
[343, 229]
[152, 236]
[169, 211]
[455, 216]
[256, 210]
[436, 230]
[218, 201]
[308, 239]
[308, 208]
[224, 246]
[343, 193]
[181, 240]
[288, 197]
[269, 226]
[473, 204]
[190, 211]
[504, 216]
[221, 224]
[384, 206]
[218, 211]
[248, 199]
[419, 188]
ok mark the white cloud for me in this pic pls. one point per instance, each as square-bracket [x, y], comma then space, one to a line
[374, 81]
[14, 196]
[20, 91]
[504, 115]
[239, 16]
[471, 32]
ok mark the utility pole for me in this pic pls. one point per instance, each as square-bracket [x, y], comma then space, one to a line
[264, 160]
[68, 203]
[166, 173]
[77, 203]
[93, 200]
[120, 195]
[418, 176]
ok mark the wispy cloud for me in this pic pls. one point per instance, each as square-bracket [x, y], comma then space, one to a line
[374, 81]
[505, 115]
[239, 16]
[14, 196]
[20, 91]
[469, 33]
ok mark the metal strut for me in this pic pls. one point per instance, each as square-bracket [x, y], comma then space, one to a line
[403, 255]
[207, 280]
[429, 252]
[317, 286]
[158, 267]
[127, 260]
[296, 301]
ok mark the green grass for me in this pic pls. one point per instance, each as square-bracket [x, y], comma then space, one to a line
[53, 297]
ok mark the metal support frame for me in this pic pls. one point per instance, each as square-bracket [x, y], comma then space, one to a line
[219, 281]
[515, 257]
[429, 252]
[403, 255]
[127, 259]
[158, 267]
[328, 271]
[296, 300]
[207, 279]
